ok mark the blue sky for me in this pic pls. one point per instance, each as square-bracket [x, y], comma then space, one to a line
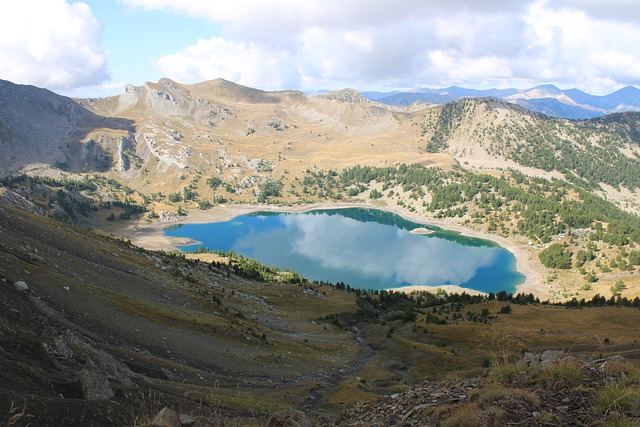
[96, 47]
[135, 37]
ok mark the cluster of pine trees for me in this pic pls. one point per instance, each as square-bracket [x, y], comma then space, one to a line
[513, 203]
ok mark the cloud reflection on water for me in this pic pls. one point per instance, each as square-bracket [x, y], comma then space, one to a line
[375, 251]
[395, 255]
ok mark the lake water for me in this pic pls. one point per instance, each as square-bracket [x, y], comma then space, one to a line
[365, 248]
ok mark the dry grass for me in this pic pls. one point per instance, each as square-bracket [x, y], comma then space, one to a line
[506, 373]
[626, 371]
[619, 399]
[535, 328]
[16, 416]
[621, 422]
[460, 348]
[465, 415]
[494, 393]
[563, 374]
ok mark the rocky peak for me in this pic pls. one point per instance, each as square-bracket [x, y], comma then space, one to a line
[351, 96]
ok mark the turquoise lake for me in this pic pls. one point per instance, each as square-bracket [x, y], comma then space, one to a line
[365, 248]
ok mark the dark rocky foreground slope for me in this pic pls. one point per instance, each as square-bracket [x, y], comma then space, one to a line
[548, 389]
[94, 331]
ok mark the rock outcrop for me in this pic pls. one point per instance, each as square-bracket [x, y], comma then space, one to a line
[548, 389]
[11, 198]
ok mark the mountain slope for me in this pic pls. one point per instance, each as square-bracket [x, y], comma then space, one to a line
[104, 324]
[38, 126]
[553, 107]
[164, 137]
[94, 331]
[225, 129]
[487, 133]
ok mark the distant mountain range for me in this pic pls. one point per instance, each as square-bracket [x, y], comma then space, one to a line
[545, 99]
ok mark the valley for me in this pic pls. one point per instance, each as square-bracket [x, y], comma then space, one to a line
[117, 323]
[111, 332]
[187, 148]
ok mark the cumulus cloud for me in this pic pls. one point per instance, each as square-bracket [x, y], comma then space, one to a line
[616, 10]
[572, 45]
[243, 63]
[51, 43]
[327, 43]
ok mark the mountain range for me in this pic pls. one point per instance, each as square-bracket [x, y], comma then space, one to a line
[97, 330]
[163, 136]
[545, 99]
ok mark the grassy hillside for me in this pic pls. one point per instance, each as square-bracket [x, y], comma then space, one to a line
[588, 153]
[174, 327]
[112, 332]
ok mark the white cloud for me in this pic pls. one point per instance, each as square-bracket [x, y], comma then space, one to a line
[409, 43]
[615, 10]
[102, 90]
[243, 63]
[574, 46]
[51, 43]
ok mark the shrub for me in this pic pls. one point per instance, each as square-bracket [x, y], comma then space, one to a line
[214, 182]
[496, 394]
[618, 288]
[505, 310]
[175, 197]
[464, 415]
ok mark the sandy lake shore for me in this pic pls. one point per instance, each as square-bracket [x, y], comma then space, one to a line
[150, 236]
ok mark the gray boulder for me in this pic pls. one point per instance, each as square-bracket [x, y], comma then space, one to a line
[290, 418]
[166, 418]
[548, 357]
[21, 286]
[95, 385]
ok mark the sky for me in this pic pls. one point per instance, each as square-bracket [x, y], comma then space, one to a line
[94, 48]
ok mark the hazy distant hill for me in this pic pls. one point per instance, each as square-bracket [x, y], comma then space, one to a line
[546, 99]
[435, 96]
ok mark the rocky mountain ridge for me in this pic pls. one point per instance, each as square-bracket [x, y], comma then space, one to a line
[38, 126]
[164, 135]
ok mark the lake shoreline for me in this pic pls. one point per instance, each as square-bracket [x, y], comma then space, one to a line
[151, 236]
